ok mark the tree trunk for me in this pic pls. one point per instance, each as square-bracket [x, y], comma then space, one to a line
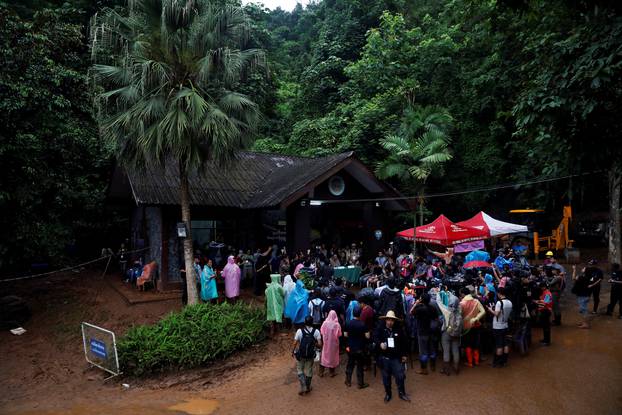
[191, 277]
[615, 185]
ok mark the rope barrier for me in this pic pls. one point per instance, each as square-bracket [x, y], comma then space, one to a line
[27, 277]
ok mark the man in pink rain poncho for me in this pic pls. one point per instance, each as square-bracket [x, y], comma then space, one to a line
[232, 275]
[331, 332]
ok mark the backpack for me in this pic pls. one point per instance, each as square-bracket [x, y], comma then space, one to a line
[391, 300]
[454, 325]
[502, 314]
[316, 312]
[306, 350]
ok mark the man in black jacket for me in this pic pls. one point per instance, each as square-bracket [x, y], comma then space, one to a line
[427, 328]
[335, 302]
[391, 345]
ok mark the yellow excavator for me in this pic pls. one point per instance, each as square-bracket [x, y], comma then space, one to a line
[558, 241]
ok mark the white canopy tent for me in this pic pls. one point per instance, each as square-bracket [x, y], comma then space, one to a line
[493, 226]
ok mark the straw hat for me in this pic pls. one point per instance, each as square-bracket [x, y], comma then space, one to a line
[390, 315]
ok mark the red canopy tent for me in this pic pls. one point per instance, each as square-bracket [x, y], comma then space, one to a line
[444, 232]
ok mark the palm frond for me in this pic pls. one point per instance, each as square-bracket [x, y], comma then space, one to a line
[169, 70]
[389, 168]
[395, 144]
[420, 172]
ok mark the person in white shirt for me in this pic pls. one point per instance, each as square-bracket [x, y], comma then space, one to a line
[306, 341]
[501, 314]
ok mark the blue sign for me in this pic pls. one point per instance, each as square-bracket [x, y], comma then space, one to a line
[98, 348]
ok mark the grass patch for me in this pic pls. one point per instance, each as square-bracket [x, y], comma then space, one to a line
[192, 337]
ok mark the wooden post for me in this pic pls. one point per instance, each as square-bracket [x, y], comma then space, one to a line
[536, 245]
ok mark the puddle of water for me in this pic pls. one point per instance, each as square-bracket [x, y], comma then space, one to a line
[196, 406]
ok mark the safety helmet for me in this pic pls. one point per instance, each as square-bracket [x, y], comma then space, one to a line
[550, 253]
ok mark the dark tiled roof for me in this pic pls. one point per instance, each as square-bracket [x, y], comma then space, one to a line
[251, 180]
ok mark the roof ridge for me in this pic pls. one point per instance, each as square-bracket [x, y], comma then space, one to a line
[349, 153]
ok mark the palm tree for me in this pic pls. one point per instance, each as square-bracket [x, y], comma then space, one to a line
[165, 74]
[418, 150]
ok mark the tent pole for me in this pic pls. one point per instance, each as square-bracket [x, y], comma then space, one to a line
[415, 233]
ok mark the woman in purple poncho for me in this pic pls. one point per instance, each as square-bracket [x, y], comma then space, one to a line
[231, 273]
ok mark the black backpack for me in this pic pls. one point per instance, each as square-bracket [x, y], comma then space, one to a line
[391, 300]
[306, 350]
[317, 313]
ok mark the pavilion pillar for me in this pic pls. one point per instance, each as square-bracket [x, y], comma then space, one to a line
[298, 227]
[373, 221]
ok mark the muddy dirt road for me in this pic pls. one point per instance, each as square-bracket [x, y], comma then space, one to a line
[43, 372]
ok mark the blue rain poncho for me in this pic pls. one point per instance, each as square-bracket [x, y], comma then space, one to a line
[350, 311]
[500, 261]
[208, 284]
[488, 285]
[297, 307]
[477, 256]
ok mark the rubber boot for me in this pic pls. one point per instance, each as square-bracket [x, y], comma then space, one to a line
[433, 365]
[308, 383]
[495, 360]
[303, 384]
[457, 367]
[387, 394]
[476, 357]
[505, 359]
[469, 356]
[360, 380]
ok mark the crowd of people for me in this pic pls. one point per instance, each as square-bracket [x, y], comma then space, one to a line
[430, 306]
[254, 269]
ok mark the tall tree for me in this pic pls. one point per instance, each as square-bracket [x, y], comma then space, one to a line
[567, 114]
[418, 150]
[167, 72]
[54, 167]
[341, 36]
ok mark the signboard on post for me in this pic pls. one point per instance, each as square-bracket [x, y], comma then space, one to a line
[100, 348]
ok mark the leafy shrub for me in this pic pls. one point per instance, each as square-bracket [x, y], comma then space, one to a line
[192, 337]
